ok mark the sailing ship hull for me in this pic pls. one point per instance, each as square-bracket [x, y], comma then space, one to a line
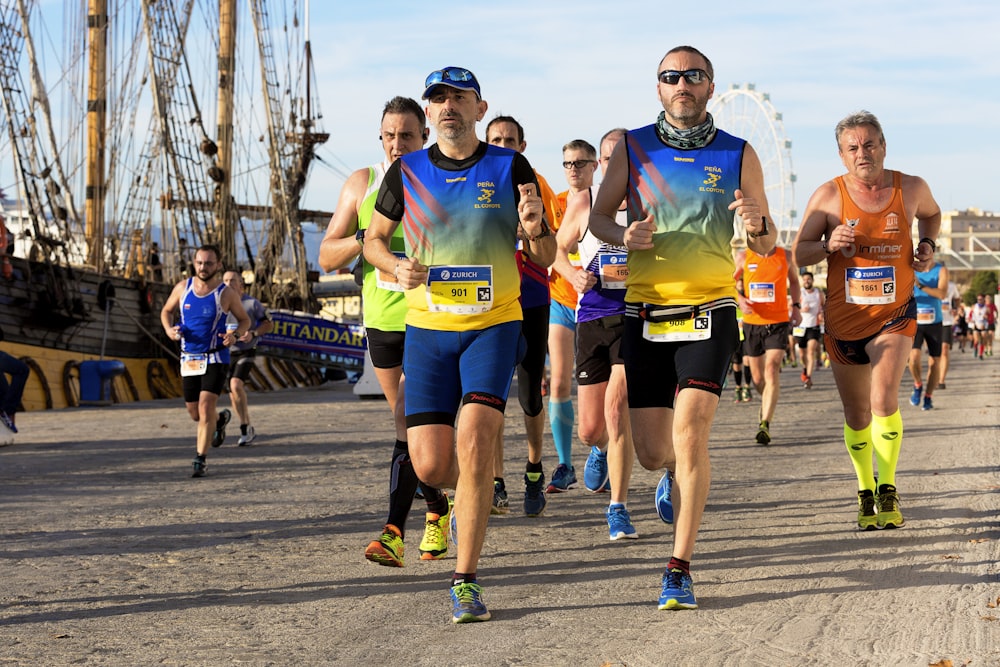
[55, 317]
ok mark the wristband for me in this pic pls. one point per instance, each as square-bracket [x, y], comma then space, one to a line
[797, 305]
[822, 244]
[763, 229]
[929, 242]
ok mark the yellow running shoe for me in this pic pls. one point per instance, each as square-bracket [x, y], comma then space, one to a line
[866, 510]
[387, 549]
[887, 501]
[434, 546]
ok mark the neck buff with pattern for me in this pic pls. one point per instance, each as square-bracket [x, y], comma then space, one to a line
[696, 137]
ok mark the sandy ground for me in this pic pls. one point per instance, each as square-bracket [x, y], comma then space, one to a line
[113, 555]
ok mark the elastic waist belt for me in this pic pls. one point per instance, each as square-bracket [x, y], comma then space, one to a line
[652, 312]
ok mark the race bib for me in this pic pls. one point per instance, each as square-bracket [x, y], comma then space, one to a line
[761, 292]
[613, 270]
[871, 285]
[387, 281]
[925, 315]
[799, 332]
[461, 290]
[193, 364]
[674, 331]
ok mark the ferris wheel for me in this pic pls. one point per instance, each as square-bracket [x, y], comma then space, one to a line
[746, 113]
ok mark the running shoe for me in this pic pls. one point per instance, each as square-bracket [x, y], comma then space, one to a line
[595, 473]
[387, 549]
[678, 590]
[467, 604]
[220, 428]
[563, 479]
[804, 377]
[887, 502]
[664, 507]
[8, 421]
[199, 468]
[747, 394]
[534, 493]
[915, 396]
[764, 433]
[620, 523]
[928, 403]
[247, 436]
[434, 545]
[866, 510]
[738, 391]
[501, 504]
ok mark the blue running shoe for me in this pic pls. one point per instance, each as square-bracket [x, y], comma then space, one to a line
[563, 479]
[665, 508]
[467, 604]
[595, 473]
[678, 590]
[928, 403]
[915, 396]
[534, 493]
[620, 523]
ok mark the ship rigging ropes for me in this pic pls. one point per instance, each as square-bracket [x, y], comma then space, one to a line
[747, 113]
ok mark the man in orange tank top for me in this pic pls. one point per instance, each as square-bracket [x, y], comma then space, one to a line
[861, 224]
[768, 280]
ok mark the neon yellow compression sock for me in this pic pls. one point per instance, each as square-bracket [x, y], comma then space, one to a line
[859, 446]
[887, 436]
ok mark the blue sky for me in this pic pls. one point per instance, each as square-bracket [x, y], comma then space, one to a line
[929, 70]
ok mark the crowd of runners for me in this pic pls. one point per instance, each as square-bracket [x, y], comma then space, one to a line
[642, 292]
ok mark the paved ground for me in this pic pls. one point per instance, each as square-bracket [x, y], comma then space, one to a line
[113, 555]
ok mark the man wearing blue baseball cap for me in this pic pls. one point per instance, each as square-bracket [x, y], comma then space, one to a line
[463, 204]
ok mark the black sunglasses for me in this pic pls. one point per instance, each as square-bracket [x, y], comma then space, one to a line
[671, 77]
[577, 164]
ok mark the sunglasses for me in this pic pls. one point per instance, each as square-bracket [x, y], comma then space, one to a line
[671, 77]
[457, 74]
[577, 164]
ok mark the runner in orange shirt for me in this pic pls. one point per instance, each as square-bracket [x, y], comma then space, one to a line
[861, 224]
[768, 279]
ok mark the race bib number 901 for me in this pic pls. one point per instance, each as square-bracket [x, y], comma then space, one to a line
[462, 290]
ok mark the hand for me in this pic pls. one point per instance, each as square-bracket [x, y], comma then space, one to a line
[639, 235]
[175, 332]
[923, 258]
[841, 237]
[410, 273]
[529, 210]
[584, 281]
[748, 209]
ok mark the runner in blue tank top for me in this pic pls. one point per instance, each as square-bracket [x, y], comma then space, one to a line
[203, 302]
[463, 204]
[683, 178]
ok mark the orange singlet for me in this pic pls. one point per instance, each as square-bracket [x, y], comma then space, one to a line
[561, 289]
[765, 283]
[870, 284]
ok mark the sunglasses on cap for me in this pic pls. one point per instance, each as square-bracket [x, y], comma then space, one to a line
[671, 77]
[577, 164]
[455, 77]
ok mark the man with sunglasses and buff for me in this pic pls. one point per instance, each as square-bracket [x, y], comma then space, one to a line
[860, 223]
[682, 179]
[462, 204]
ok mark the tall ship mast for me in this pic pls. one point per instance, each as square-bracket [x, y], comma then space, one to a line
[122, 123]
